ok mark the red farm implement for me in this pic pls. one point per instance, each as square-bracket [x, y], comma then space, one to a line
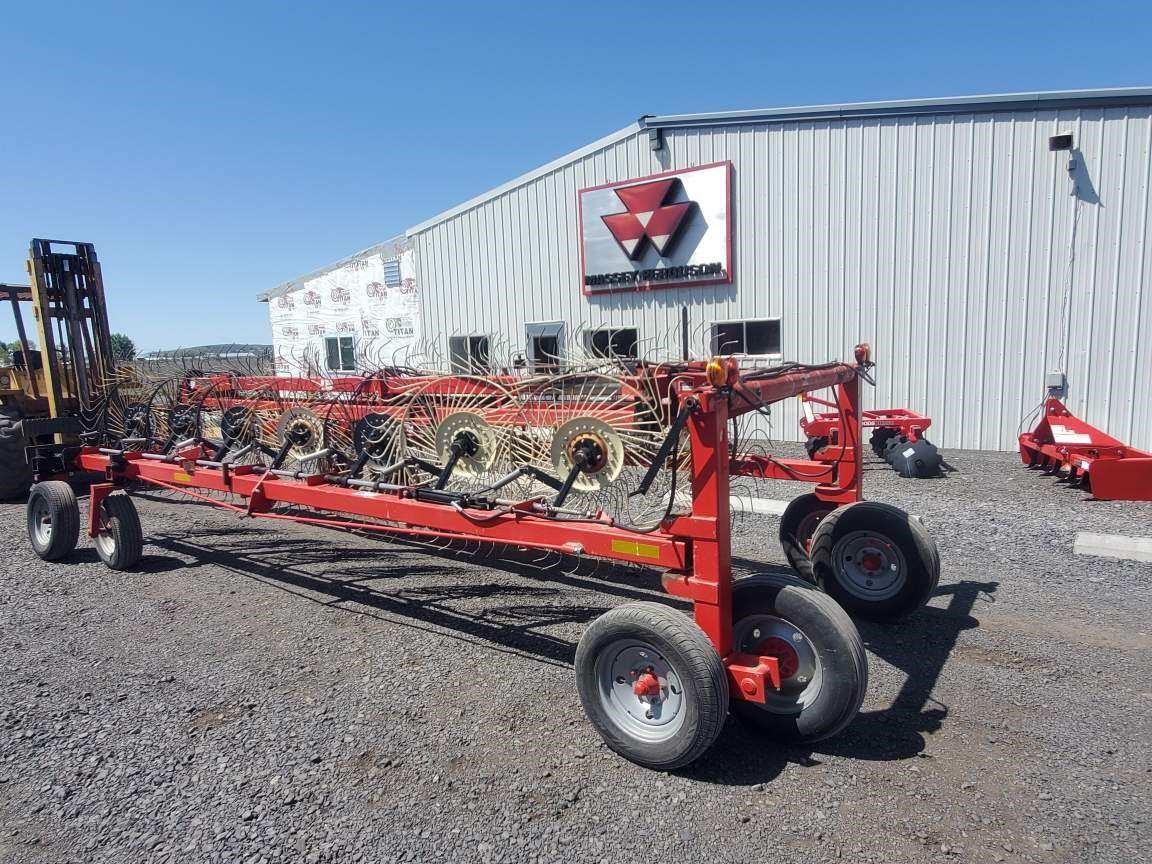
[1087, 458]
[897, 435]
[582, 462]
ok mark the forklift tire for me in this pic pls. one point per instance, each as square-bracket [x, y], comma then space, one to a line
[53, 520]
[120, 541]
[15, 472]
[875, 560]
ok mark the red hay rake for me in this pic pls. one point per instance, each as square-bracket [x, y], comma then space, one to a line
[583, 462]
[1086, 457]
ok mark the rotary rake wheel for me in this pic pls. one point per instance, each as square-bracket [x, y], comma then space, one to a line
[604, 431]
[463, 425]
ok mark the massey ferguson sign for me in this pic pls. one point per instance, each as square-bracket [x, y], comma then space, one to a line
[663, 231]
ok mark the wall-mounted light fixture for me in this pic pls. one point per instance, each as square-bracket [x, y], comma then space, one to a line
[656, 139]
[1060, 142]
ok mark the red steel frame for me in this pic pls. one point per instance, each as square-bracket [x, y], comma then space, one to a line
[818, 424]
[694, 550]
[1113, 470]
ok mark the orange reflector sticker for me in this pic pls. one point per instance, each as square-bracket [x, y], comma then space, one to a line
[182, 477]
[640, 550]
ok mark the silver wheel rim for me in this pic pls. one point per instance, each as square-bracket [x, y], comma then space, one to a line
[41, 522]
[801, 673]
[869, 565]
[105, 542]
[651, 718]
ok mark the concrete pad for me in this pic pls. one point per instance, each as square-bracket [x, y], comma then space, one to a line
[1113, 546]
[760, 506]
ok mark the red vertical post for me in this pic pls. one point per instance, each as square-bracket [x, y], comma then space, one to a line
[712, 556]
[850, 468]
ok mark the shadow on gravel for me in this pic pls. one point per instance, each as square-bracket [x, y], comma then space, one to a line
[919, 647]
[148, 563]
[350, 579]
[368, 578]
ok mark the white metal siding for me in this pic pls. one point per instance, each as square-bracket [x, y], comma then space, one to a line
[943, 240]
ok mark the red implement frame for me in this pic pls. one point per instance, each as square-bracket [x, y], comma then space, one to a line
[1108, 468]
[694, 550]
[826, 424]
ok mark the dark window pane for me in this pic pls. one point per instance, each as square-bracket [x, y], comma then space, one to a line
[332, 346]
[624, 342]
[478, 353]
[458, 353]
[600, 343]
[347, 354]
[545, 352]
[762, 337]
[729, 338]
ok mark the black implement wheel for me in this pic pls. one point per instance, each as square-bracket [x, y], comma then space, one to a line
[53, 519]
[881, 435]
[797, 525]
[15, 472]
[652, 685]
[877, 561]
[120, 540]
[823, 667]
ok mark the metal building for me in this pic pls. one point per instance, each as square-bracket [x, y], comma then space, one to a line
[977, 243]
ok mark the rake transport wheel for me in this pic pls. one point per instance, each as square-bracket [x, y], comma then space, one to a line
[15, 473]
[120, 539]
[823, 668]
[53, 519]
[797, 525]
[877, 561]
[652, 685]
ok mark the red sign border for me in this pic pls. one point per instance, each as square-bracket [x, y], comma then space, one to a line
[659, 285]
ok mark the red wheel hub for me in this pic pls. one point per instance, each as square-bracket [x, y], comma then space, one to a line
[871, 562]
[786, 656]
[646, 684]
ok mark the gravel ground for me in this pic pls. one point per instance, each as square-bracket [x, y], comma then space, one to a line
[262, 692]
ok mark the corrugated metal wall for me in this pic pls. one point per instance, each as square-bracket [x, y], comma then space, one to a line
[947, 241]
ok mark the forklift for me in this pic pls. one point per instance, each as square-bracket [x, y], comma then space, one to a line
[45, 391]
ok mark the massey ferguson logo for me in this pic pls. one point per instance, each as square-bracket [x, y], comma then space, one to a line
[659, 231]
[650, 216]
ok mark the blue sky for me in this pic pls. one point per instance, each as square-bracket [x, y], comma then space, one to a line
[215, 150]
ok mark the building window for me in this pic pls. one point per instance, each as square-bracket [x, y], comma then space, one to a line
[392, 272]
[341, 352]
[469, 354]
[613, 342]
[758, 338]
[545, 345]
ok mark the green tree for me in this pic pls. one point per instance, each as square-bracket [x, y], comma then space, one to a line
[123, 348]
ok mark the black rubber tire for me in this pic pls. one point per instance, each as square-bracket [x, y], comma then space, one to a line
[797, 525]
[834, 640]
[906, 533]
[15, 472]
[687, 650]
[55, 500]
[120, 543]
[815, 444]
[880, 437]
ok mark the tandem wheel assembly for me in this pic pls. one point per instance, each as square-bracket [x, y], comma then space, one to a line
[53, 519]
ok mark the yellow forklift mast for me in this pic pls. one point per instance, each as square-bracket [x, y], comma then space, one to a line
[44, 389]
